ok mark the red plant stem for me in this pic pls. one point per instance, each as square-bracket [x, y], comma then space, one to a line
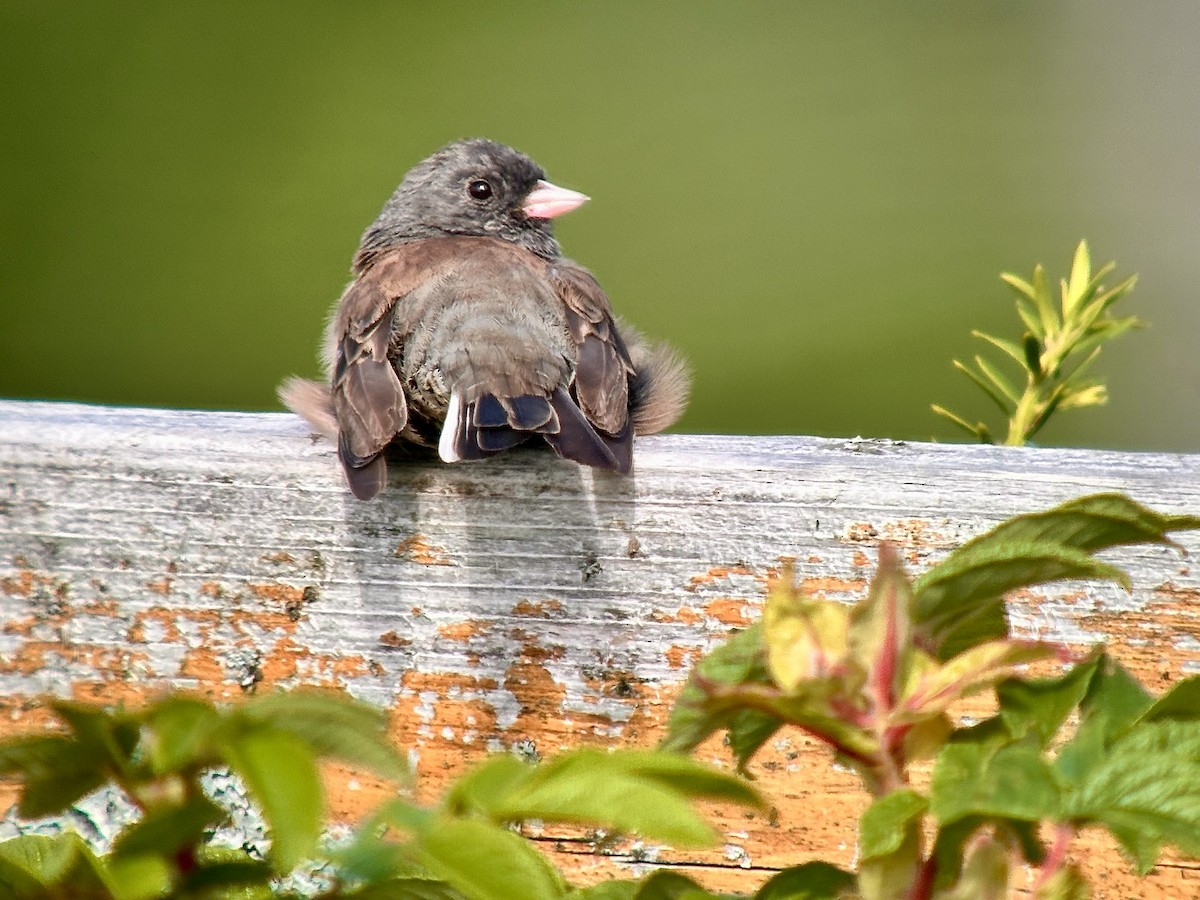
[1064, 833]
[922, 886]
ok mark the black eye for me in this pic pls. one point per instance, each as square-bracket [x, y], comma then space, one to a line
[479, 189]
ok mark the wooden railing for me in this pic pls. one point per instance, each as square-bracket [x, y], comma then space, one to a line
[518, 602]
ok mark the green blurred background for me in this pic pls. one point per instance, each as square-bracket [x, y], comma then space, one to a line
[812, 200]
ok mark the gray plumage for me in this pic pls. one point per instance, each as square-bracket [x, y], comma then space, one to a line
[466, 330]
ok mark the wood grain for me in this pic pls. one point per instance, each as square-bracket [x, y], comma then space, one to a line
[520, 603]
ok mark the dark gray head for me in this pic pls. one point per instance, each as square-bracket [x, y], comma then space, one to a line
[472, 187]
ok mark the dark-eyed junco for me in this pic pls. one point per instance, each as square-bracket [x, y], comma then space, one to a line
[466, 329]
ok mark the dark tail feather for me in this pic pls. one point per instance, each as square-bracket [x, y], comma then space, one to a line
[366, 476]
[577, 439]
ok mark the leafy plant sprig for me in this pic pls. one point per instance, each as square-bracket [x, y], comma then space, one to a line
[1060, 343]
[876, 681]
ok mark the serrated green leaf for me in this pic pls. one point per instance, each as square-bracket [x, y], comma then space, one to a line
[1113, 703]
[811, 881]
[1065, 884]
[55, 770]
[1146, 790]
[165, 830]
[935, 689]
[1039, 706]
[333, 724]
[183, 732]
[739, 660]
[888, 821]
[1180, 703]
[1012, 782]
[488, 862]
[281, 771]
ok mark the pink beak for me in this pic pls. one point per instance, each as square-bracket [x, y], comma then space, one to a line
[548, 200]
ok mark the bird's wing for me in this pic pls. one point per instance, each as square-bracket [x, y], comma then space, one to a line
[602, 364]
[368, 399]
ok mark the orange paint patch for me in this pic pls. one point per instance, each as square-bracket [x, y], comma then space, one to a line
[729, 611]
[391, 639]
[161, 586]
[539, 610]
[418, 549]
[20, 585]
[274, 590]
[716, 573]
[212, 589]
[463, 631]
[678, 657]
[833, 585]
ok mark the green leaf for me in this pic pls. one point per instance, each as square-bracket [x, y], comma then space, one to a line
[811, 881]
[888, 821]
[748, 730]
[139, 877]
[1146, 790]
[1114, 701]
[975, 431]
[37, 861]
[406, 889]
[111, 736]
[1008, 348]
[281, 771]
[486, 787]
[332, 724]
[487, 862]
[1045, 304]
[1181, 703]
[624, 794]
[983, 384]
[985, 873]
[183, 731]
[958, 601]
[56, 771]
[1039, 706]
[1067, 883]
[740, 660]
[1012, 782]
[690, 778]
[165, 830]
[663, 885]
[935, 689]
[1075, 289]
[37, 867]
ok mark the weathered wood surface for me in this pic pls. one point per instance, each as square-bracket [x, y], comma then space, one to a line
[521, 602]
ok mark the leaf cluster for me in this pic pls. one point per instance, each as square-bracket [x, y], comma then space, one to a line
[876, 683]
[1060, 343]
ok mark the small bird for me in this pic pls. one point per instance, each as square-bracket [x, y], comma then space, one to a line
[465, 329]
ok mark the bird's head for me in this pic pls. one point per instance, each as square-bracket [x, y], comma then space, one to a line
[473, 187]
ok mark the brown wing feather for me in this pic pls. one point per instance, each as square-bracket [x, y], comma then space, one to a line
[367, 396]
[603, 367]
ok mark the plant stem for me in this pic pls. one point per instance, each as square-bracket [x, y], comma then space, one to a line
[1064, 833]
